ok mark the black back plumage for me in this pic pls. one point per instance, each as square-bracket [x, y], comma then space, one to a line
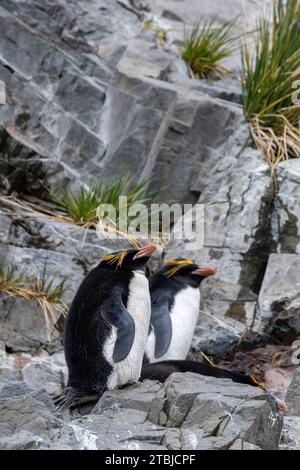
[86, 330]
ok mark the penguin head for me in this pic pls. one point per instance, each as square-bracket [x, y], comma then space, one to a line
[186, 271]
[130, 260]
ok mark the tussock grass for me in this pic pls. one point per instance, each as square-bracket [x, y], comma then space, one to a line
[39, 289]
[82, 204]
[268, 78]
[206, 44]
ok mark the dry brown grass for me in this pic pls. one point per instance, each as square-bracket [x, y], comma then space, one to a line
[36, 289]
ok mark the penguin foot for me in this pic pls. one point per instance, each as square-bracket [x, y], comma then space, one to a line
[71, 398]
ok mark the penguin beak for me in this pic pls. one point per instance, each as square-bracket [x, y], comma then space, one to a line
[146, 251]
[204, 272]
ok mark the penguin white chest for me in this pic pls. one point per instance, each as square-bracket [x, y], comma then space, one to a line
[184, 316]
[139, 307]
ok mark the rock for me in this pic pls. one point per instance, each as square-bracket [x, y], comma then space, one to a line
[84, 246]
[278, 307]
[193, 145]
[20, 408]
[187, 11]
[40, 369]
[26, 166]
[91, 90]
[227, 89]
[291, 434]
[239, 444]
[2, 93]
[215, 337]
[137, 397]
[214, 413]
[24, 327]
[232, 302]
[28, 421]
[24, 440]
[286, 218]
[292, 398]
[195, 412]
[142, 58]
[7, 371]
[45, 370]
[87, 78]
[4, 226]
[115, 428]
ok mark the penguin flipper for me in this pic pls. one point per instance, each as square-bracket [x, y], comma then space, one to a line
[124, 342]
[162, 325]
[116, 314]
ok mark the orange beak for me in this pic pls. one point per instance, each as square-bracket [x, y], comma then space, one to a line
[146, 251]
[204, 272]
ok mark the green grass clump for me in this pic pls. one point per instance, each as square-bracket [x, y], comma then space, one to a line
[83, 203]
[206, 44]
[268, 78]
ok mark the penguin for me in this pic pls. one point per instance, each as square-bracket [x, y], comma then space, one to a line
[175, 303]
[160, 371]
[107, 326]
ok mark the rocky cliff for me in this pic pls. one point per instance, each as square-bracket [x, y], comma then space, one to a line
[93, 89]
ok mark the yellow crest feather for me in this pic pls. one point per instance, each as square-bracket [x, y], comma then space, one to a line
[176, 265]
[115, 258]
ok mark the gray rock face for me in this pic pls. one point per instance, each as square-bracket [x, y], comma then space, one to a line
[216, 337]
[278, 307]
[26, 166]
[213, 414]
[287, 215]
[292, 398]
[28, 420]
[189, 412]
[89, 91]
[194, 143]
[24, 327]
[84, 80]
[2, 93]
[290, 434]
[104, 96]
[50, 371]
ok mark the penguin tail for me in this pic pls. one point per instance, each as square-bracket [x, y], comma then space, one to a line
[72, 397]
